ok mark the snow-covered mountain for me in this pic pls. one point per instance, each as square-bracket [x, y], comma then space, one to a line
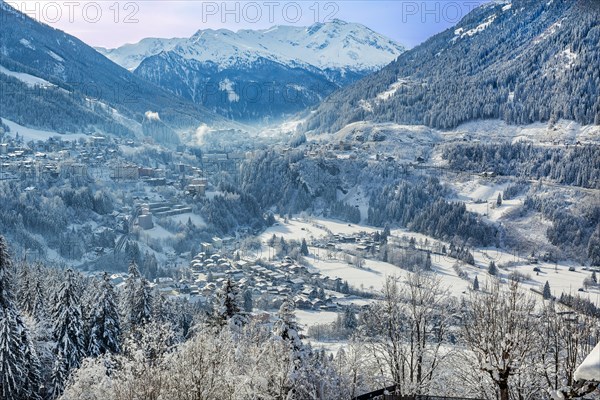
[131, 55]
[520, 61]
[252, 74]
[332, 45]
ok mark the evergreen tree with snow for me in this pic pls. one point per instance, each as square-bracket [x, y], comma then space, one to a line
[32, 295]
[141, 311]
[137, 299]
[304, 248]
[321, 293]
[68, 331]
[227, 309]
[349, 319]
[248, 301]
[428, 262]
[272, 240]
[547, 293]
[499, 200]
[286, 326]
[594, 247]
[386, 233]
[493, 269]
[150, 266]
[476, 284]
[133, 270]
[19, 365]
[105, 328]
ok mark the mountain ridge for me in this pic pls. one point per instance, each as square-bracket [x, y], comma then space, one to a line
[278, 43]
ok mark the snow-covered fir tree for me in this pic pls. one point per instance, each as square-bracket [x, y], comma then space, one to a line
[492, 269]
[19, 365]
[68, 331]
[304, 248]
[228, 306]
[137, 299]
[547, 292]
[286, 326]
[105, 327]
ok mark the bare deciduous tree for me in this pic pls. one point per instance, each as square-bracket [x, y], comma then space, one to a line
[409, 327]
[498, 326]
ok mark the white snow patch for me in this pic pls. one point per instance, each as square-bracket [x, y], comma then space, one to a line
[27, 44]
[184, 218]
[158, 232]
[227, 86]
[480, 28]
[567, 57]
[152, 116]
[393, 88]
[538, 133]
[460, 33]
[365, 105]
[29, 80]
[589, 370]
[552, 29]
[55, 56]
[307, 318]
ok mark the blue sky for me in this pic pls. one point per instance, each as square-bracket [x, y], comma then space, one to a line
[113, 23]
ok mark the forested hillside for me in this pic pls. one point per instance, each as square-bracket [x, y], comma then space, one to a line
[70, 87]
[521, 62]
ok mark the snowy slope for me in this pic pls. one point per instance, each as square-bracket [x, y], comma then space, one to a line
[34, 55]
[332, 45]
[28, 79]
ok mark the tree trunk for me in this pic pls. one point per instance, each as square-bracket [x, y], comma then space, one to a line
[503, 386]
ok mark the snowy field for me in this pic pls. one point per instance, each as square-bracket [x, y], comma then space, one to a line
[312, 228]
[183, 219]
[373, 274]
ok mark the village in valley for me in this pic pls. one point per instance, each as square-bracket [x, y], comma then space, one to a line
[324, 266]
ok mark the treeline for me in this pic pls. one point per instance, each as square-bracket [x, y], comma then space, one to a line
[421, 207]
[580, 304]
[575, 165]
[575, 232]
[229, 211]
[293, 183]
[345, 212]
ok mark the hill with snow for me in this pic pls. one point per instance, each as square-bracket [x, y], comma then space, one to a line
[53, 81]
